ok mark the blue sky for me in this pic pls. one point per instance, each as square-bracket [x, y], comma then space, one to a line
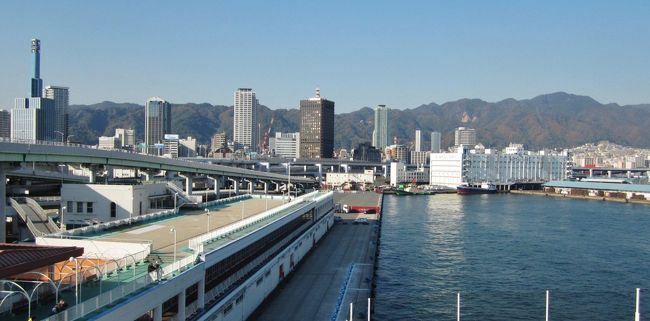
[360, 53]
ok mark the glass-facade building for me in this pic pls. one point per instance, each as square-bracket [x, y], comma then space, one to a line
[33, 119]
[316, 128]
[381, 133]
[61, 97]
[158, 122]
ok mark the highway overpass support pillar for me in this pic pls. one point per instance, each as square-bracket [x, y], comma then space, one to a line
[266, 186]
[216, 180]
[591, 172]
[3, 203]
[250, 185]
[188, 183]
[346, 167]
[385, 169]
[320, 172]
[609, 174]
[235, 184]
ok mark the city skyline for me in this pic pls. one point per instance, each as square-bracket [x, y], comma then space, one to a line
[430, 51]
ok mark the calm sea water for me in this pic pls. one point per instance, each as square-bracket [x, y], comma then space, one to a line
[503, 251]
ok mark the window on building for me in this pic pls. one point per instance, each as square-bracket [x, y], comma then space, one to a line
[80, 207]
[89, 207]
[113, 209]
[70, 206]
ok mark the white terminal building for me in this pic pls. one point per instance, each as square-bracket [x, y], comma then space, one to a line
[512, 165]
[400, 174]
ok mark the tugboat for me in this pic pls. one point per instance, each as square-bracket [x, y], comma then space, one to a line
[483, 189]
[413, 189]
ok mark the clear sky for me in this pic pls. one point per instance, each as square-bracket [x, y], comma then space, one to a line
[360, 53]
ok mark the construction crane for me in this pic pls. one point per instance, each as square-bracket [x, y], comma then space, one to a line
[265, 147]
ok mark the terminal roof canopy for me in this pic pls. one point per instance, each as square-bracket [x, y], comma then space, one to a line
[21, 258]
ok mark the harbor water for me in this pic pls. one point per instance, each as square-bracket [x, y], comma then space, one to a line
[502, 252]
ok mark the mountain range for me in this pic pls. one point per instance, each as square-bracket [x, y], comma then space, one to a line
[554, 120]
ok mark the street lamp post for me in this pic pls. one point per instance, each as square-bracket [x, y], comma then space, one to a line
[207, 212]
[61, 224]
[62, 136]
[76, 281]
[173, 230]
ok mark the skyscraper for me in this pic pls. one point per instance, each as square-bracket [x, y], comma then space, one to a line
[418, 140]
[316, 127]
[61, 97]
[126, 136]
[158, 122]
[435, 142]
[37, 82]
[245, 118]
[34, 117]
[465, 136]
[381, 134]
[5, 124]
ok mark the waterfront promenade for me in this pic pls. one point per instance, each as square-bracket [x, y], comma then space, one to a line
[582, 197]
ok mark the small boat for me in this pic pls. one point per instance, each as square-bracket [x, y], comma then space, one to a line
[413, 190]
[483, 189]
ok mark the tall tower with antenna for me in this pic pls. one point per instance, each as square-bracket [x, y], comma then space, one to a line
[37, 82]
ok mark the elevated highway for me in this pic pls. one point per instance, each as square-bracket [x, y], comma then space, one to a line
[19, 155]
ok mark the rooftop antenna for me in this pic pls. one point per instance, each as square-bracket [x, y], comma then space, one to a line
[317, 92]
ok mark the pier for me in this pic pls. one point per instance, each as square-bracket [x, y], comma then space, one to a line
[339, 271]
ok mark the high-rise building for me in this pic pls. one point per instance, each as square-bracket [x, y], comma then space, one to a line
[366, 152]
[418, 140]
[158, 122]
[109, 143]
[187, 147]
[218, 141]
[435, 142]
[286, 145]
[316, 127]
[245, 118]
[61, 97]
[381, 134]
[464, 136]
[37, 82]
[34, 118]
[5, 124]
[126, 136]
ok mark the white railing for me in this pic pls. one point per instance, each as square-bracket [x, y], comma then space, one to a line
[25, 218]
[86, 307]
[112, 224]
[178, 265]
[42, 215]
[196, 243]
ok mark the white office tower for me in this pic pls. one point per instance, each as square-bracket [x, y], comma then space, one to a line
[126, 136]
[245, 118]
[418, 140]
[287, 145]
[381, 133]
[157, 123]
[435, 142]
[465, 136]
[61, 97]
[33, 119]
